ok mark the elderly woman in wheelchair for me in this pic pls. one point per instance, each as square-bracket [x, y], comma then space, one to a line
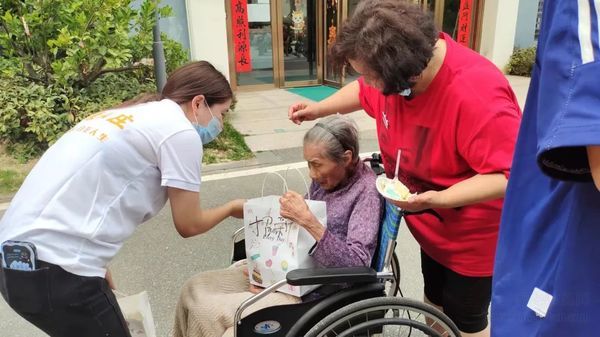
[352, 299]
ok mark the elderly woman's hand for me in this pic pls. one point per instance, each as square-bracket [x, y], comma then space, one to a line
[294, 207]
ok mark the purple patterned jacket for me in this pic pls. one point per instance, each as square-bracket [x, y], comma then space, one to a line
[353, 216]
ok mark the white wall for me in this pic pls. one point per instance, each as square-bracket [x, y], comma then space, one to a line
[498, 30]
[208, 32]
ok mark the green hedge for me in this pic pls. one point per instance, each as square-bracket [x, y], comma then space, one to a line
[522, 61]
[34, 116]
[63, 60]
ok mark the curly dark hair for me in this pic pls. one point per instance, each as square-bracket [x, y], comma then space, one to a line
[393, 38]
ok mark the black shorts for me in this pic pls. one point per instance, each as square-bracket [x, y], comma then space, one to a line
[464, 299]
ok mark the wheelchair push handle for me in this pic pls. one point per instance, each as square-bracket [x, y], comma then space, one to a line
[376, 162]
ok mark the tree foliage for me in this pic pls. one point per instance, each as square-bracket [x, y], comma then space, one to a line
[522, 61]
[74, 42]
[61, 60]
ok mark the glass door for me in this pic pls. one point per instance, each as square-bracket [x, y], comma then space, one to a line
[331, 22]
[299, 46]
[276, 43]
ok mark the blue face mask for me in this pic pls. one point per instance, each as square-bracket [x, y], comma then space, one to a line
[211, 131]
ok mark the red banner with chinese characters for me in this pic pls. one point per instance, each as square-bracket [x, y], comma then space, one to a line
[241, 36]
[465, 15]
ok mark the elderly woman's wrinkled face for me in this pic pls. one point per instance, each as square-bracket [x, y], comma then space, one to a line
[328, 173]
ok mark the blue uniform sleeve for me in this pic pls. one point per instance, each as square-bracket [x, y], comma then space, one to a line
[577, 125]
[568, 102]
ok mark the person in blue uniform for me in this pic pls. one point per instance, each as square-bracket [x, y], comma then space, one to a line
[547, 271]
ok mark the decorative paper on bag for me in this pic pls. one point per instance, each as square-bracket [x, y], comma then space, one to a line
[274, 245]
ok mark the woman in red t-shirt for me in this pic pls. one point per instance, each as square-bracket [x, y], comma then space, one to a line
[455, 119]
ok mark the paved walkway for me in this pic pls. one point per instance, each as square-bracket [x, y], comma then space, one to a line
[261, 116]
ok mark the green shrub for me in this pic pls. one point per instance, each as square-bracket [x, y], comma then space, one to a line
[63, 60]
[27, 106]
[10, 180]
[111, 90]
[74, 42]
[522, 61]
[230, 145]
[34, 116]
[9, 66]
[175, 54]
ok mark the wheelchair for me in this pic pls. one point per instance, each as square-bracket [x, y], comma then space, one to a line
[367, 306]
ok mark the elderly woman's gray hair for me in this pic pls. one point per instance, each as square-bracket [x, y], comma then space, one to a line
[338, 134]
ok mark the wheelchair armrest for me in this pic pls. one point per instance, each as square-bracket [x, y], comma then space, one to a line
[303, 277]
[239, 232]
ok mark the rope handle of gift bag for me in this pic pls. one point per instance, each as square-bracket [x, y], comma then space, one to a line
[284, 180]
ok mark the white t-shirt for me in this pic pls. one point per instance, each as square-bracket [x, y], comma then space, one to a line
[100, 180]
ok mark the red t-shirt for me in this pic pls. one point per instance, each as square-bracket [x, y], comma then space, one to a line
[464, 124]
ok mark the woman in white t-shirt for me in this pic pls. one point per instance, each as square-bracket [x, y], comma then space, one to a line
[95, 185]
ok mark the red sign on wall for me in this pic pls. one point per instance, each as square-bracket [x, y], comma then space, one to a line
[465, 15]
[241, 36]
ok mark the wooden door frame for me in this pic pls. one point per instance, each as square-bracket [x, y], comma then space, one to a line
[478, 24]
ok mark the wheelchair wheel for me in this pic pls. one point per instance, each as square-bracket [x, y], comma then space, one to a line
[385, 316]
[392, 287]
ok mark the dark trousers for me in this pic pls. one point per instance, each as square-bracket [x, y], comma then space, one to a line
[465, 299]
[63, 304]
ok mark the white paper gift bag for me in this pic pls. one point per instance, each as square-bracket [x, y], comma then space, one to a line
[274, 245]
[138, 314]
